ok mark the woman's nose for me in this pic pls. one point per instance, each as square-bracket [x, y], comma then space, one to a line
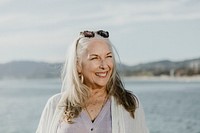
[103, 64]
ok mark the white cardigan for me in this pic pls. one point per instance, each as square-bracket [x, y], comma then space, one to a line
[122, 122]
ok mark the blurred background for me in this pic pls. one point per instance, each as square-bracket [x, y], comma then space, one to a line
[158, 42]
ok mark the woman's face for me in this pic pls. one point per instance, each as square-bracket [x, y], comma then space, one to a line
[97, 64]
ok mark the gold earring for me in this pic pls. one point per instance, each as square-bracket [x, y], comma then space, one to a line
[82, 78]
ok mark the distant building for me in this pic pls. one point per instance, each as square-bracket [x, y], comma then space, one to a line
[195, 66]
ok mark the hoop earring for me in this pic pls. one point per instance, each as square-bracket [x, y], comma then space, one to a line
[82, 78]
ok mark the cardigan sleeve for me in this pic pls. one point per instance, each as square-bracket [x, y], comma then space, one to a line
[47, 114]
[140, 121]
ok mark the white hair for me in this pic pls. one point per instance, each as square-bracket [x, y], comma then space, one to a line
[72, 89]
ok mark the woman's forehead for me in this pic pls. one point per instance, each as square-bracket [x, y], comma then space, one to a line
[98, 46]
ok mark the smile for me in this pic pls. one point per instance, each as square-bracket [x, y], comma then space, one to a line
[102, 74]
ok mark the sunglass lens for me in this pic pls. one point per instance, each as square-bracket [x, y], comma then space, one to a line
[88, 34]
[102, 33]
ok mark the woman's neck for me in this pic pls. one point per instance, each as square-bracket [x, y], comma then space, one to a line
[97, 93]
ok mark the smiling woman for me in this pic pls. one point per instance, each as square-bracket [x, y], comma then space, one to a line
[93, 97]
[96, 64]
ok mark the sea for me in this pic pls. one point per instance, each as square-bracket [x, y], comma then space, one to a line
[171, 106]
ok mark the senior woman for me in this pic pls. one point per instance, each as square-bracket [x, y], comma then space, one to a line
[93, 98]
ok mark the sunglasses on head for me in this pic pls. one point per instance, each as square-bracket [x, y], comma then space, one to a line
[90, 34]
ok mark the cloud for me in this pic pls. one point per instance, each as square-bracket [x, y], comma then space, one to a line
[34, 15]
[123, 13]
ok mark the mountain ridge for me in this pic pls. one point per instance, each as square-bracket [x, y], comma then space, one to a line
[34, 69]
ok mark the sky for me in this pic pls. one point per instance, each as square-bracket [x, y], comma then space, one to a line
[141, 30]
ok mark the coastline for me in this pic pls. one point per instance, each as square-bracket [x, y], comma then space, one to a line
[163, 78]
[125, 78]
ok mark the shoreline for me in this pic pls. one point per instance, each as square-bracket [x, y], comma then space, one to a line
[125, 78]
[163, 78]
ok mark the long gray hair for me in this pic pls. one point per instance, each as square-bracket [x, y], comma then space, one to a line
[75, 93]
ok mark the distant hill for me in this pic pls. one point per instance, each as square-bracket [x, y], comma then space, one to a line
[31, 69]
[164, 67]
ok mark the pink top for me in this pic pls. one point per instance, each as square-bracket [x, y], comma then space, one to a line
[83, 123]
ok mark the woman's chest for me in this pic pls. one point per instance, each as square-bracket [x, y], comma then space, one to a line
[83, 123]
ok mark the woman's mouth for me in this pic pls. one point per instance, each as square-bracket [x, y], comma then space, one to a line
[101, 74]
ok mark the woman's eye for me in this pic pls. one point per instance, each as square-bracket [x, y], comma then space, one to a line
[110, 56]
[93, 58]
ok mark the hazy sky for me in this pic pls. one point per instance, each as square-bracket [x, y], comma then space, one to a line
[141, 30]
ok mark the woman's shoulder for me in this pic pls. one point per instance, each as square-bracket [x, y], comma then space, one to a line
[53, 100]
[55, 97]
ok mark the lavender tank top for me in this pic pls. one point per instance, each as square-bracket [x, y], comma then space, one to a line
[83, 123]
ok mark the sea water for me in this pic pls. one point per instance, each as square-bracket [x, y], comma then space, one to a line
[170, 106]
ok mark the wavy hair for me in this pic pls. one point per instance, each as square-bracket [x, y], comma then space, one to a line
[75, 93]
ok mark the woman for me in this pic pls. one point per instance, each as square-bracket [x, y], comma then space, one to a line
[93, 98]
